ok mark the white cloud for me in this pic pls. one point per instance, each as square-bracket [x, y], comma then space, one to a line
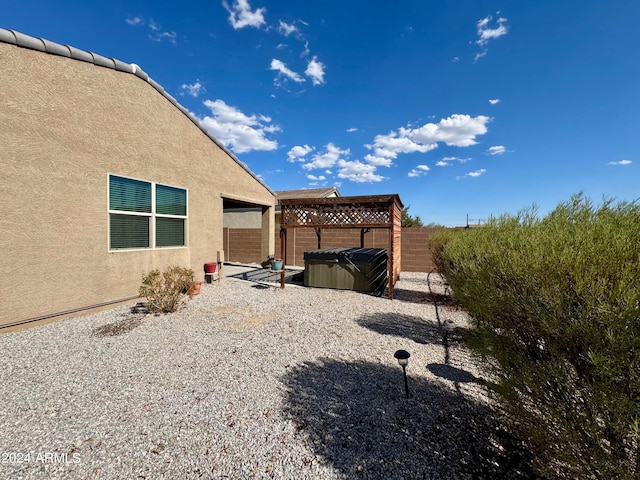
[621, 162]
[157, 34]
[419, 171]
[378, 161]
[327, 159]
[390, 145]
[287, 29]
[358, 172]
[298, 152]
[195, 89]
[494, 101]
[474, 174]
[240, 14]
[315, 70]
[456, 159]
[283, 70]
[352, 129]
[479, 55]
[333, 156]
[134, 21]
[486, 33]
[306, 50]
[237, 131]
[458, 130]
[496, 150]
[446, 161]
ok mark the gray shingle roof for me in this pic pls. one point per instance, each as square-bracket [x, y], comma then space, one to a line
[308, 193]
[42, 45]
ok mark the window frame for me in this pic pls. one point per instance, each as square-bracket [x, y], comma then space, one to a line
[152, 216]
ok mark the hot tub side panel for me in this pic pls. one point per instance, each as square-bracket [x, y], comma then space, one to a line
[362, 270]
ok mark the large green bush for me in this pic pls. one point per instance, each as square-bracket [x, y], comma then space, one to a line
[555, 304]
[166, 292]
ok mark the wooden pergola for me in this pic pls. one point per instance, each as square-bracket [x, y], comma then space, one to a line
[363, 212]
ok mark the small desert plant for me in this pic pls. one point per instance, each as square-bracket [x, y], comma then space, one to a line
[165, 291]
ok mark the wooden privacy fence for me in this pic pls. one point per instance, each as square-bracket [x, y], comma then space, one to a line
[243, 245]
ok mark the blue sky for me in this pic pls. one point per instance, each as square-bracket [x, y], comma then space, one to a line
[462, 108]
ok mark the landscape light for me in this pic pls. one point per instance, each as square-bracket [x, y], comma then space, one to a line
[403, 360]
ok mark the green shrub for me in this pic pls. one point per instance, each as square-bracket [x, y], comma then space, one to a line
[165, 292]
[556, 308]
[437, 243]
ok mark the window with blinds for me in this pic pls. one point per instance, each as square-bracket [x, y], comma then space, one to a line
[145, 214]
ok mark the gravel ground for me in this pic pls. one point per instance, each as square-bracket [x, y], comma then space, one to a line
[249, 381]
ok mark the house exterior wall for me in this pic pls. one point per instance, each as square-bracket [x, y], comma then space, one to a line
[67, 125]
[243, 218]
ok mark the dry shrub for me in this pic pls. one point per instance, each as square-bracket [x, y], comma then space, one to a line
[166, 292]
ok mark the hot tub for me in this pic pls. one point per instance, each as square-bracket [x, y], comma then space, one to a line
[359, 269]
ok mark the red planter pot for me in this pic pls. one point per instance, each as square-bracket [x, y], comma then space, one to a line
[210, 267]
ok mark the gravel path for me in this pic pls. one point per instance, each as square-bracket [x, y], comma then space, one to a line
[252, 382]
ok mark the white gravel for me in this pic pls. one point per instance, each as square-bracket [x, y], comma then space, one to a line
[251, 382]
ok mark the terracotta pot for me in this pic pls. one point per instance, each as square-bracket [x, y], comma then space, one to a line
[194, 288]
[210, 267]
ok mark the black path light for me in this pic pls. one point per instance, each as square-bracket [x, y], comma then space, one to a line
[403, 360]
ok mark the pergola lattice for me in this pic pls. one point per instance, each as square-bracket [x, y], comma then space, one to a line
[363, 212]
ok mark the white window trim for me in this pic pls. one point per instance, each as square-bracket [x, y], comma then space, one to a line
[152, 217]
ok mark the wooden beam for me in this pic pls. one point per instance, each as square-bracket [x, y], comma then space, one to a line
[341, 225]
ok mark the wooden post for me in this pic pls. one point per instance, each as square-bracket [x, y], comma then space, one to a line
[283, 253]
[283, 245]
[220, 265]
[390, 266]
[362, 233]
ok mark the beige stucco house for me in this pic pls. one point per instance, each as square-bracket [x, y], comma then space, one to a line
[103, 177]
